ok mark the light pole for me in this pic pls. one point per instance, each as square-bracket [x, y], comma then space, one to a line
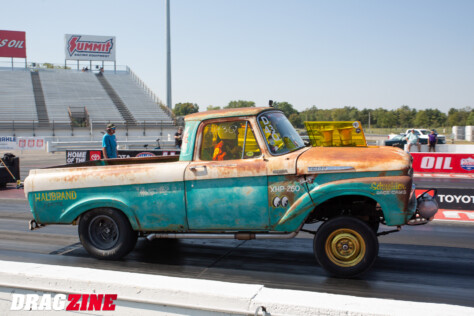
[168, 57]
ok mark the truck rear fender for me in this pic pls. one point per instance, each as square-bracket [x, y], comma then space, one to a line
[73, 212]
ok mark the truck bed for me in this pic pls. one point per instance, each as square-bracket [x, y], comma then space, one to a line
[121, 161]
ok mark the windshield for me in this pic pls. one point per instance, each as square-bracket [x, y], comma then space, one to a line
[281, 137]
[424, 131]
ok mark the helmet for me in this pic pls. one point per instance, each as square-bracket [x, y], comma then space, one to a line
[228, 131]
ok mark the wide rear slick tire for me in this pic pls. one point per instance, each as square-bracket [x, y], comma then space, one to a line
[346, 246]
[106, 233]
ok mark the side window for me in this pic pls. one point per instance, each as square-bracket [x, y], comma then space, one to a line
[227, 141]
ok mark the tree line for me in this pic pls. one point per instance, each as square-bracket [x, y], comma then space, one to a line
[403, 117]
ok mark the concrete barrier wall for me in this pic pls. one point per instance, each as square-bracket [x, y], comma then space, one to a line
[447, 148]
[143, 294]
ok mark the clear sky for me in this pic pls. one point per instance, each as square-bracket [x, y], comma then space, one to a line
[325, 53]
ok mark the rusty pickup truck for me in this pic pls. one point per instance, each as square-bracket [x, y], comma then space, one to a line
[244, 174]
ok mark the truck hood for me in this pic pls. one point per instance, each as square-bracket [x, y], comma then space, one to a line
[352, 159]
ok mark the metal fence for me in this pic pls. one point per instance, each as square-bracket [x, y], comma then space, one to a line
[12, 128]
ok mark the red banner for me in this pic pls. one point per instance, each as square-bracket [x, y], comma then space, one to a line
[443, 163]
[12, 44]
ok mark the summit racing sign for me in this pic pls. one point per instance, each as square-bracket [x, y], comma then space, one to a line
[89, 47]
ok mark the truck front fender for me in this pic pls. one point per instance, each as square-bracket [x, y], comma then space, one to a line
[392, 193]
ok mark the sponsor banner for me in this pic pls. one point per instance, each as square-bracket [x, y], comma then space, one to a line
[89, 47]
[453, 199]
[30, 143]
[77, 156]
[12, 44]
[95, 155]
[443, 163]
[8, 143]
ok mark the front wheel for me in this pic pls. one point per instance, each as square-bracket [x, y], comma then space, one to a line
[106, 233]
[346, 246]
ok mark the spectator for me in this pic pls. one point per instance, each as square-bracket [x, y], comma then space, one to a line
[109, 143]
[178, 138]
[412, 139]
[432, 140]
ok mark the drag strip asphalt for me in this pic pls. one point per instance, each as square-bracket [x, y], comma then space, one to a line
[430, 263]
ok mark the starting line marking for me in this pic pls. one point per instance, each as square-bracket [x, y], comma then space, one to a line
[455, 215]
[442, 175]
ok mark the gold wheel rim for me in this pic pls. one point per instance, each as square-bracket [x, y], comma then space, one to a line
[345, 247]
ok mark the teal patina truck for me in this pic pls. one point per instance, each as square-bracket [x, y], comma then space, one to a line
[244, 174]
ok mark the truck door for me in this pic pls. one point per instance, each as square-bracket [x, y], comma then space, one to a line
[226, 184]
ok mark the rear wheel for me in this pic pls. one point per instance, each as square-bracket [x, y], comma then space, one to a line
[346, 246]
[106, 233]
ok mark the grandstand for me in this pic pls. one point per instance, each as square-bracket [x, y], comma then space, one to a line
[47, 102]
[17, 99]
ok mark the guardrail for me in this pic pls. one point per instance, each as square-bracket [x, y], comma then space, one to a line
[52, 146]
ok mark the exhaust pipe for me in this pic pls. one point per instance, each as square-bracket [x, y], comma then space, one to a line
[32, 225]
[426, 208]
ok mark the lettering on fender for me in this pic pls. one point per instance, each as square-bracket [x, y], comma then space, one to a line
[282, 188]
[388, 188]
[55, 196]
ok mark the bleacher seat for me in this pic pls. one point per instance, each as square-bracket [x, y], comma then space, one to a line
[69, 88]
[63, 89]
[138, 103]
[17, 100]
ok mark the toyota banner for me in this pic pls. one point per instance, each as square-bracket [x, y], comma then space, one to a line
[89, 47]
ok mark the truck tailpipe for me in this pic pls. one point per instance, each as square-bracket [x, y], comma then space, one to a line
[426, 208]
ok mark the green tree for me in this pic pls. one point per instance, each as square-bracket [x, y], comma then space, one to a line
[212, 107]
[295, 120]
[458, 117]
[405, 116]
[182, 109]
[470, 118]
[286, 107]
[240, 104]
[389, 119]
[347, 113]
[422, 119]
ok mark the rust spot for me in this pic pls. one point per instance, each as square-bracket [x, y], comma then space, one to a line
[200, 116]
[360, 158]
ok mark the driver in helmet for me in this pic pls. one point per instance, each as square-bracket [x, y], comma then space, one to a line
[228, 147]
